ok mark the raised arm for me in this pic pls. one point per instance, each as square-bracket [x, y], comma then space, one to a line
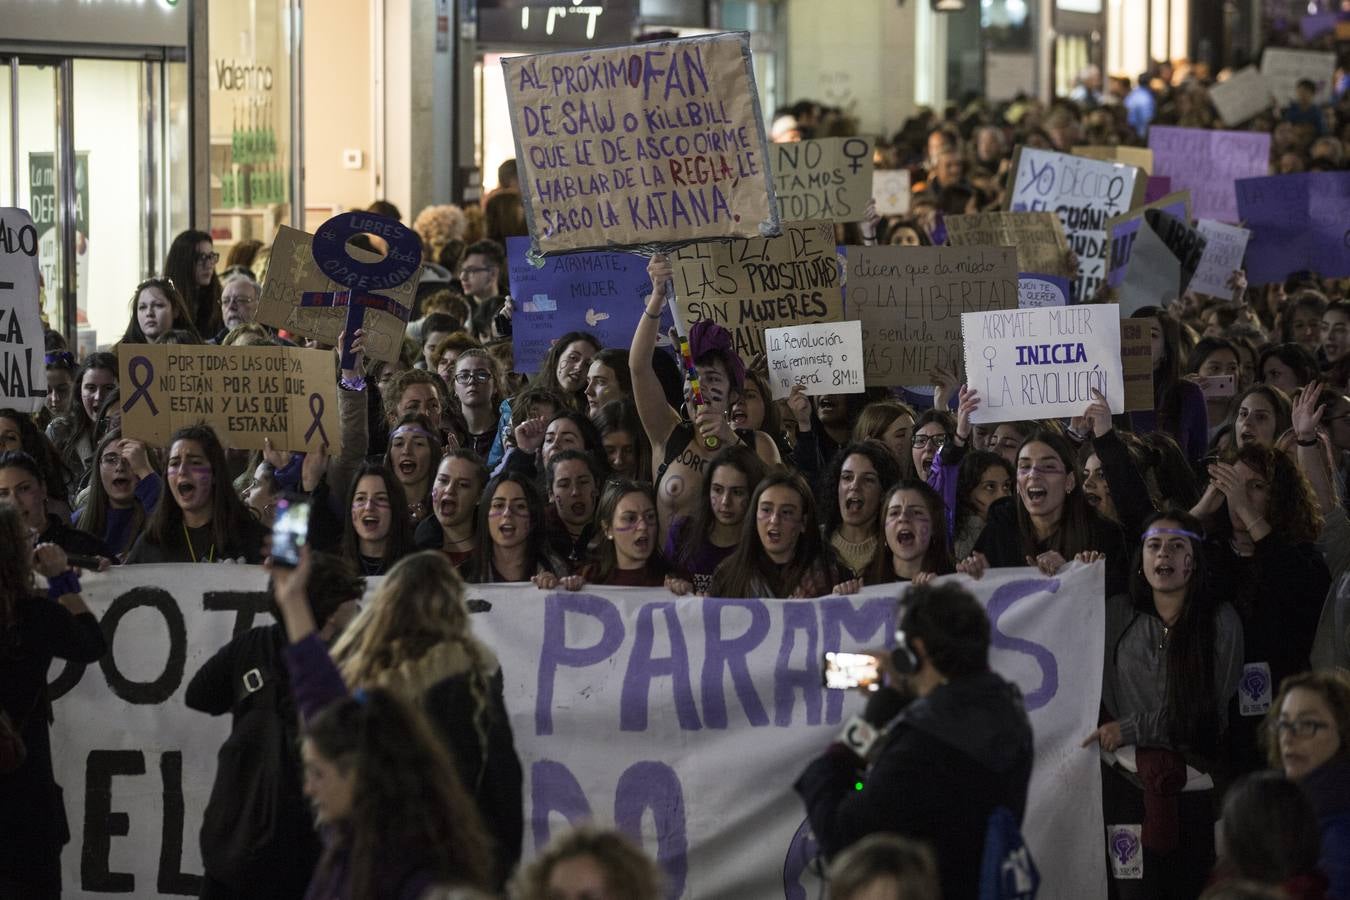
[658, 419]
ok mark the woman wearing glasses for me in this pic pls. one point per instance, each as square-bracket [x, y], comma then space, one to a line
[1173, 658]
[122, 494]
[477, 386]
[1308, 737]
[191, 266]
[931, 431]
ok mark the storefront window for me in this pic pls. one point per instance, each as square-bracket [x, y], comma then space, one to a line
[250, 98]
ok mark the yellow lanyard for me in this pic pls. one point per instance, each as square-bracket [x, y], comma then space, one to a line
[210, 554]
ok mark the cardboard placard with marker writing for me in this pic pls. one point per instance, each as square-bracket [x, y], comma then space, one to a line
[247, 394]
[828, 180]
[23, 373]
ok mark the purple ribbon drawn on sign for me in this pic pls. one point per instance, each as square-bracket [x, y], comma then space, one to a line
[316, 400]
[142, 385]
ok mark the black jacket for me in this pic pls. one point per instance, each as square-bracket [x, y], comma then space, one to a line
[73, 540]
[1001, 543]
[950, 760]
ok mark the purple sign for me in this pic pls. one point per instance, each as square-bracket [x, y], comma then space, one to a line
[600, 293]
[1207, 163]
[1298, 223]
[1157, 188]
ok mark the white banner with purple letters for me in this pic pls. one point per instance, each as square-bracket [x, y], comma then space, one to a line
[682, 720]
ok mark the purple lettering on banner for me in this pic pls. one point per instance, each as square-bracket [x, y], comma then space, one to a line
[862, 624]
[642, 668]
[553, 788]
[1003, 600]
[720, 652]
[655, 786]
[554, 651]
[787, 680]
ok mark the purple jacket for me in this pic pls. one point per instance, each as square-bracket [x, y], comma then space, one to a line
[942, 477]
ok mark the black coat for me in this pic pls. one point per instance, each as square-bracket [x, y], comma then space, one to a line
[33, 824]
[1001, 543]
[949, 761]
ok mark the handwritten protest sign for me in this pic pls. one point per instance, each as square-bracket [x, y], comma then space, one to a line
[911, 299]
[1085, 193]
[1038, 236]
[1187, 244]
[301, 291]
[1298, 223]
[1130, 156]
[627, 706]
[1043, 363]
[1121, 231]
[1136, 361]
[23, 371]
[1153, 276]
[1206, 163]
[600, 292]
[823, 181]
[891, 189]
[655, 143]
[1283, 69]
[1035, 291]
[1242, 96]
[1225, 245]
[247, 394]
[750, 284]
[825, 358]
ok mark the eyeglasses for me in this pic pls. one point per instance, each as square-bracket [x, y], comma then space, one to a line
[1300, 728]
[211, 258]
[111, 460]
[921, 441]
[482, 376]
[474, 270]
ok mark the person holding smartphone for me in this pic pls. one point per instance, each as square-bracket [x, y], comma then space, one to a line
[942, 746]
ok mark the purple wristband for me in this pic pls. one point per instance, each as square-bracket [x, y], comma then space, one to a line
[60, 585]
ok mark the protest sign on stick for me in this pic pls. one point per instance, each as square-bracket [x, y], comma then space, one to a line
[1207, 163]
[1298, 223]
[1225, 245]
[650, 144]
[1122, 230]
[247, 394]
[682, 697]
[910, 301]
[749, 284]
[1043, 363]
[1136, 361]
[1283, 69]
[828, 180]
[891, 189]
[1085, 193]
[1241, 97]
[318, 286]
[825, 358]
[23, 370]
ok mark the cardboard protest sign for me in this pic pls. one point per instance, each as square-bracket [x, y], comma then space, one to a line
[1038, 236]
[825, 358]
[1298, 223]
[891, 189]
[1154, 274]
[1136, 360]
[1141, 157]
[1225, 245]
[1283, 69]
[304, 293]
[23, 369]
[828, 180]
[599, 292]
[1207, 163]
[628, 706]
[1043, 363]
[910, 301]
[750, 284]
[1121, 231]
[655, 143]
[1085, 193]
[1242, 96]
[247, 394]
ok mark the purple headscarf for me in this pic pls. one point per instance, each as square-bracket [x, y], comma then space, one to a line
[705, 336]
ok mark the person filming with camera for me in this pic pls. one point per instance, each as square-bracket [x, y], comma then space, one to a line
[940, 750]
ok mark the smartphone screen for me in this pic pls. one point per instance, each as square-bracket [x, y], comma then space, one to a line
[845, 671]
[290, 530]
[1213, 386]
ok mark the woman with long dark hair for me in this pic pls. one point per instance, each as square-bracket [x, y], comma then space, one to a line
[512, 538]
[34, 630]
[781, 553]
[157, 308]
[17, 432]
[627, 545]
[61, 368]
[395, 815]
[698, 543]
[122, 495]
[459, 482]
[73, 433]
[202, 519]
[913, 521]
[191, 266]
[1173, 658]
[1178, 404]
[377, 532]
[566, 365]
[850, 501]
[982, 478]
[414, 448]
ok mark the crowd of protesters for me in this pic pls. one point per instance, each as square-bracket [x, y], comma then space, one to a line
[1221, 522]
